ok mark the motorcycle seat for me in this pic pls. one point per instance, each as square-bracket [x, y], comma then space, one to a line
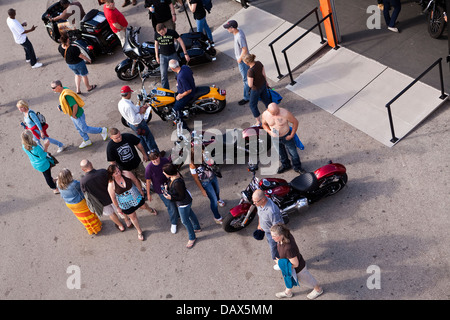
[190, 38]
[305, 182]
[90, 15]
[200, 91]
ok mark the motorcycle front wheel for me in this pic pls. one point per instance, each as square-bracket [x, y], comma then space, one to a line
[233, 224]
[125, 73]
[436, 22]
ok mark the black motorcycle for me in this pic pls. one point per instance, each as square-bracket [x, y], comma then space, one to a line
[436, 15]
[141, 57]
[94, 35]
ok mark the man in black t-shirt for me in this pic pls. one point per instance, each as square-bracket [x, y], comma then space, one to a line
[121, 150]
[165, 50]
[95, 185]
[161, 11]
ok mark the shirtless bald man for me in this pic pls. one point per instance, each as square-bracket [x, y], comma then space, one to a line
[275, 121]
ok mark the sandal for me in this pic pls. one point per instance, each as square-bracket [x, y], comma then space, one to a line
[121, 230]
[129, 225]
[141, 236]
[153, 211]
[190, 244]
[92, 87]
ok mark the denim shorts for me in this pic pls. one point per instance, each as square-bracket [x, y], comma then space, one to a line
[79, 68]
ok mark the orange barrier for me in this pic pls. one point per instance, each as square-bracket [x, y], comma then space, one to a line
[325, 8]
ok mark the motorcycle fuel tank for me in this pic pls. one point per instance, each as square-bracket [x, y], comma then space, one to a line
[276, 186]
[163, 97]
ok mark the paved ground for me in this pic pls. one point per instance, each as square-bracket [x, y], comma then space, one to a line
[393, 214]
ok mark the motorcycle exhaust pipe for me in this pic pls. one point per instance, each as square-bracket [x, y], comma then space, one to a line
[301, 203]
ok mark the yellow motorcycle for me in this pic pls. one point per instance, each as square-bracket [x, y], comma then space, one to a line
[161, 101]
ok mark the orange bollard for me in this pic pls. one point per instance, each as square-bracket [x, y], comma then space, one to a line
[325, 8]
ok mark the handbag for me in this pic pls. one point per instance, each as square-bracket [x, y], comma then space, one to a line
[274, 96]
[53, 161]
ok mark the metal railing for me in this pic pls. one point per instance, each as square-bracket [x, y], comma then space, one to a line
[318, 23]
[443, 95]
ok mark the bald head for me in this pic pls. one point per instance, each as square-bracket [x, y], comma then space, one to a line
[86, 165]
[259, 198]
[273, 108]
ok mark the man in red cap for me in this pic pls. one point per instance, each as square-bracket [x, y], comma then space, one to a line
[134, 115]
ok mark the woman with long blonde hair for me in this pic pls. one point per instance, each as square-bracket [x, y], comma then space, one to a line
[38, 158]
[32, 123]
[74, 198]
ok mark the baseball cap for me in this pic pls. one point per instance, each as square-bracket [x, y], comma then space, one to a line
[231, 24]
[125, 89]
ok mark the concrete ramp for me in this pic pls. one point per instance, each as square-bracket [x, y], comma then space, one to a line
[261, 28]
[356, 90]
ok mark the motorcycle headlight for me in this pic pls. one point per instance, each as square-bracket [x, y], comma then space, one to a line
[244, 196]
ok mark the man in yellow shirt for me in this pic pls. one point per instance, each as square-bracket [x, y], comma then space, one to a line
[72, 104]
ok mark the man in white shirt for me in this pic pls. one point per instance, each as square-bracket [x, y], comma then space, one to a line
[134, 115]
[20, 37]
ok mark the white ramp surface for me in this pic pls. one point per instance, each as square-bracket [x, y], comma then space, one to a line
[356, 89]
[260, 29]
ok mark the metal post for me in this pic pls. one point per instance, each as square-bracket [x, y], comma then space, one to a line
[289, 68]
[443, 95]
[320, 29]
[394, 138]
[276, 62]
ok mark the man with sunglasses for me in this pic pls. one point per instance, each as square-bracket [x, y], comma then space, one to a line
[269, 214]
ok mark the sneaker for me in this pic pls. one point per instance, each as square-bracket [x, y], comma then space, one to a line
[242, 102]
[56, 191]
[221, 203]
[173, 228]
[61, 149]
[281, 295]
[314, 294]
[393, 29]
[37, 65]
[218, 221]
[85, 144]
[276, 267]
[104, 133]
[27, 61]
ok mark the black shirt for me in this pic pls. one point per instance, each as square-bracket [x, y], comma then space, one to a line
[124, 153]
[162, 10]
[95, 182]
[200, 11]
[72, 54]
[167, 43]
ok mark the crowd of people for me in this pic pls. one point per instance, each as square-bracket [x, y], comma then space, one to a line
[127, 184]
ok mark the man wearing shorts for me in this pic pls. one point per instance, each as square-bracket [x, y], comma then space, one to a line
[95, 185]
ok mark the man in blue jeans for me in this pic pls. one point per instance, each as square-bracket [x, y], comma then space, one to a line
[134, 115]
[275, 121]
[185, 86]
[165, 50]
[391, 20]
[240, 50]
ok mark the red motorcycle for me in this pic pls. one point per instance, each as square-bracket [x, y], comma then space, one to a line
[302, 191]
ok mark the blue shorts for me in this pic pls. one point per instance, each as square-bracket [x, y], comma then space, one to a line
[79, 68]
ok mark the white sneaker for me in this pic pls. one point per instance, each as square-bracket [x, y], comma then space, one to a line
[28, 61]
[393, 29]
[221, 203]
[276, 267]
[104, 133]
[85, 144]
[37, 65]
[218, 221]
[173, 228]
[61, 149]
[314, 294]
[281, 295]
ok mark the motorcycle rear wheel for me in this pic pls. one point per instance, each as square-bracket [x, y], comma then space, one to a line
[436, 22]
[233, 224]
[215, 106]
[336, 185]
